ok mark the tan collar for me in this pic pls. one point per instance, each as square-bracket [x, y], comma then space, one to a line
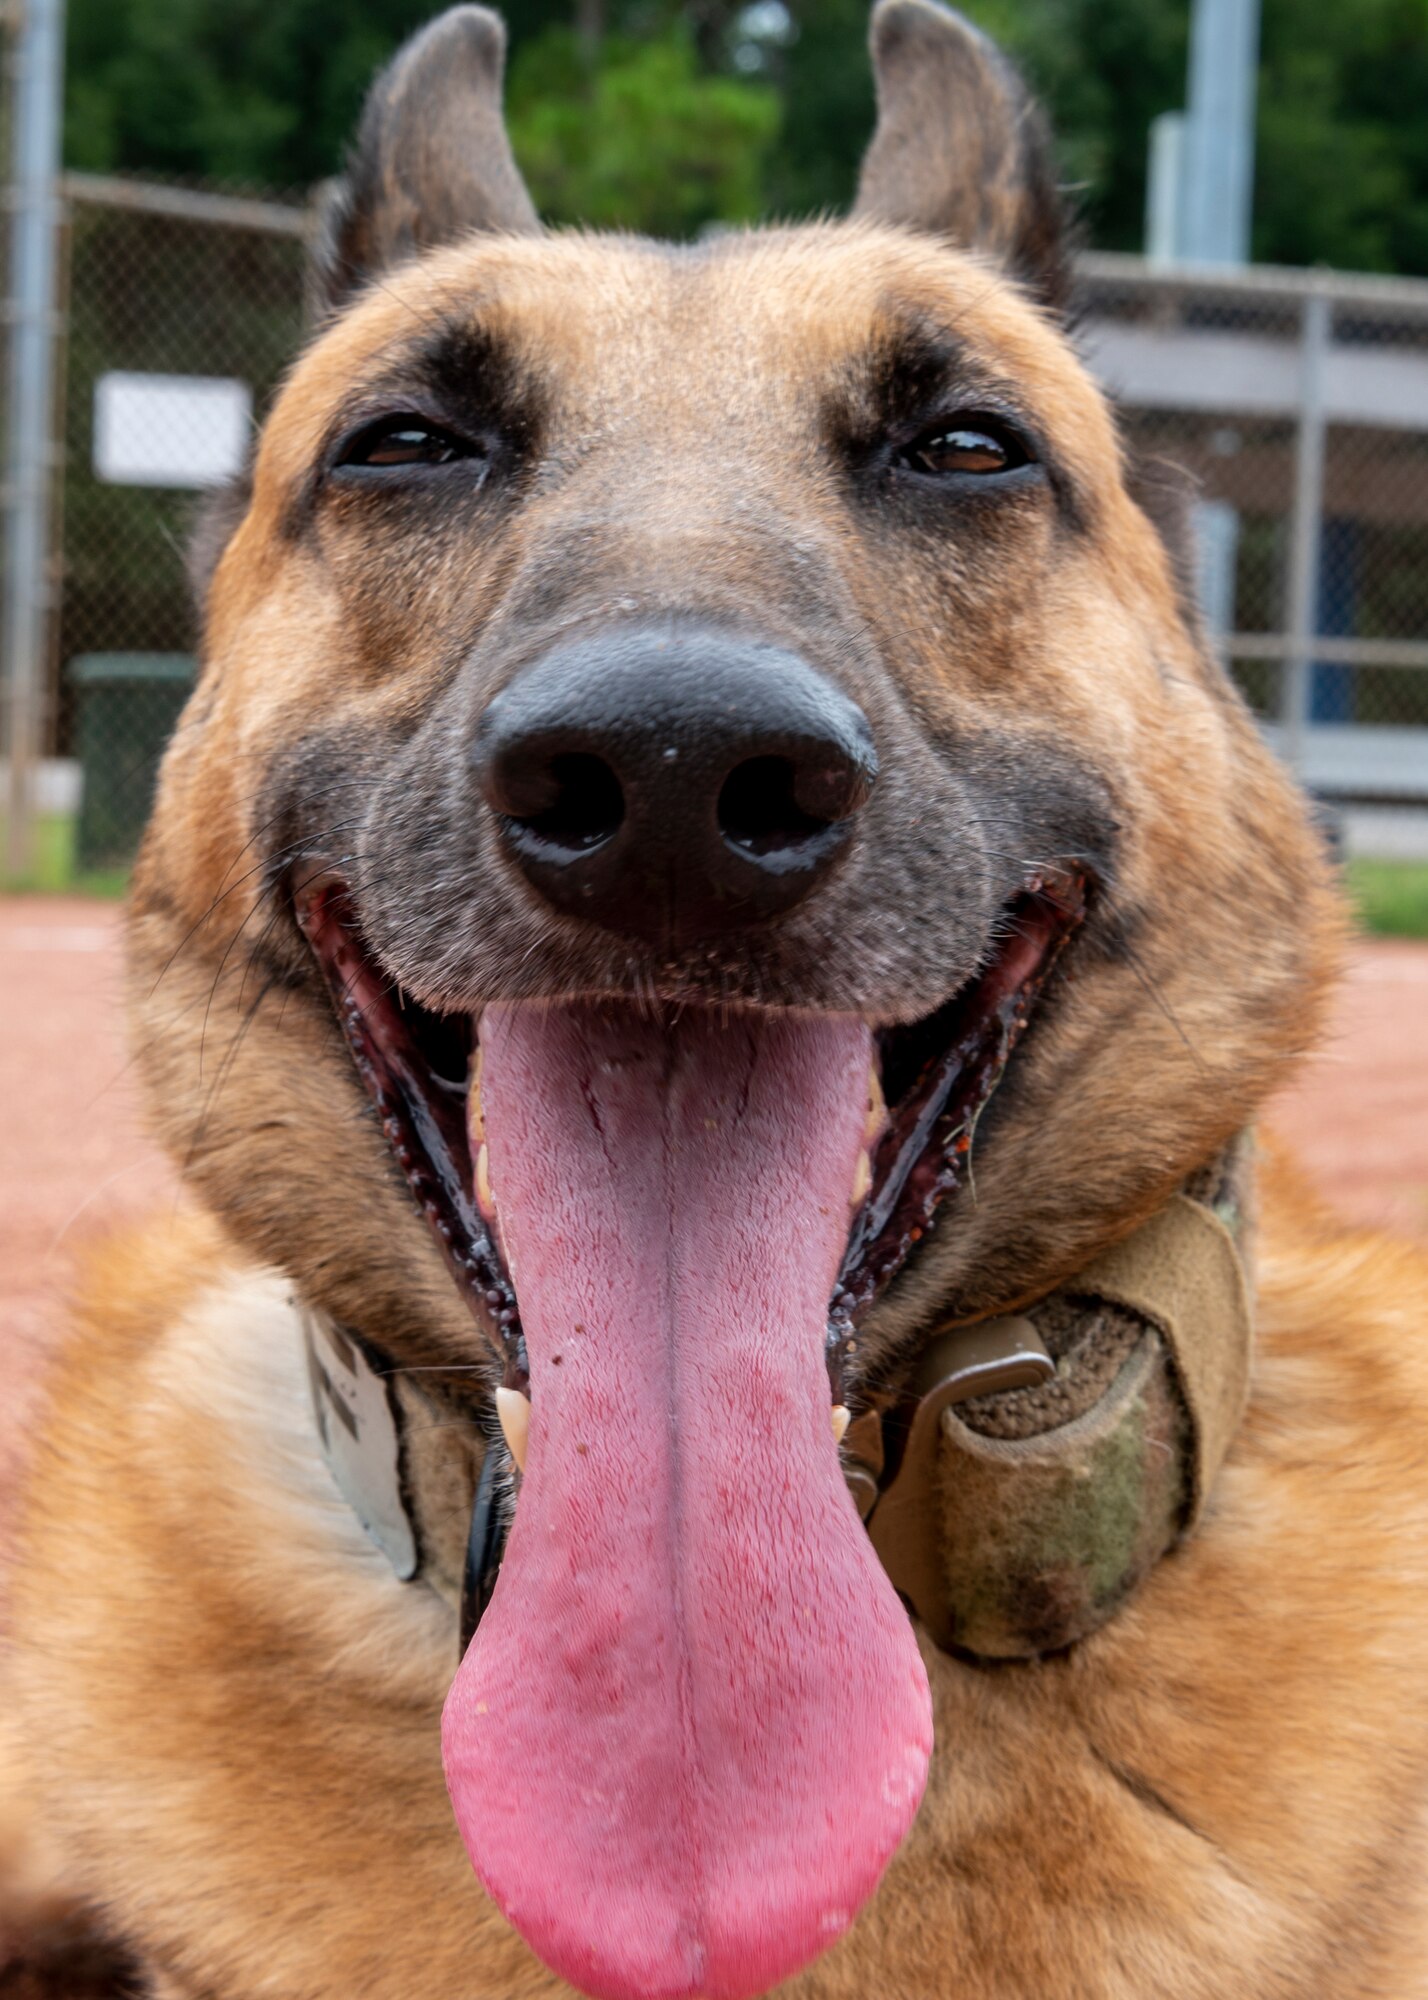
[1018, 1488]
[1017, 1498]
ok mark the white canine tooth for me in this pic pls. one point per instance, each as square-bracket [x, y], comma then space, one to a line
[862, 1179]
[514, 1410]
[877, 1109]
[485, 1200]
[475, 1119]
[841, 1414]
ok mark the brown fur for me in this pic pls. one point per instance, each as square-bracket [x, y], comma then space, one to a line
[432, 162]
[947, 161]
[229, 1705]
[1219, 1795]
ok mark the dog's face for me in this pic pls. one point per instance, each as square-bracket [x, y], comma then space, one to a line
[697, 675]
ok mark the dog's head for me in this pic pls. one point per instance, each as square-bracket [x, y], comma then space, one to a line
[730, 699]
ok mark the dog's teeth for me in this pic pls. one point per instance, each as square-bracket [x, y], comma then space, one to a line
[485, 1200]
[877, 1109]
[514, 1410]
[862, 1180]
[841, 1414]
[475, 1121]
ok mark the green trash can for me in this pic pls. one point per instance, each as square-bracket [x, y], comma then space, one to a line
[126, 706]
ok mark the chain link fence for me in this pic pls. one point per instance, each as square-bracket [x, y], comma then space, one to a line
[182, 311]
[1298, 403]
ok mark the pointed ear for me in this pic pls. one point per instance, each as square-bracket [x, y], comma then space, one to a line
[432, 160]
[960, 148]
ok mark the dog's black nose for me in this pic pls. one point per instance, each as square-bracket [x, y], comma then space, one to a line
[671, 783]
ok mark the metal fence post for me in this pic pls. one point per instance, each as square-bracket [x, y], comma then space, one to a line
[1306, 526]
[38, 83]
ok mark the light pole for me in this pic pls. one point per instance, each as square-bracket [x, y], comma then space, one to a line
[1219, 133]
[1200, 186]
[38, 73]
[1199, 196]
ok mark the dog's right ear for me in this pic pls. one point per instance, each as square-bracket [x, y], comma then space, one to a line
[432, 160]
[961, 149]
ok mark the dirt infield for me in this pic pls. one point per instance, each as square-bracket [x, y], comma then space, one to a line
[1357, 1114]
[73, 1161]
[71, 1156]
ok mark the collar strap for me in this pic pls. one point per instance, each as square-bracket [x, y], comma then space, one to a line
[419, 1474]
[1015, 1530]
[1033, 1471]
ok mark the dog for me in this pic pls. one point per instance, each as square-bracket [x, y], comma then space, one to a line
[731, 1405]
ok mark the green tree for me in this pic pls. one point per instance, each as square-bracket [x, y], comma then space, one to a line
[1342, 172]
[665, 114]
[644, 137]
[245, 90]
[1105, 69]
[828, 107]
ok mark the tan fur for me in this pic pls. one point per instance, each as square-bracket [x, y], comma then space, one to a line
[228, 1706]
[684, 385]
[1221, 1795]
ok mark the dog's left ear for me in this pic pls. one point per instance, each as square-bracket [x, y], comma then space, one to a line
[432, 160]
[961, 150]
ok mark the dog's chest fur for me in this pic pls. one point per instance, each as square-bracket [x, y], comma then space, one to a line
[235, 1722]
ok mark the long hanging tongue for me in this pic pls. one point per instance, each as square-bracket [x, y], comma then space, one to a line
[693, 1724]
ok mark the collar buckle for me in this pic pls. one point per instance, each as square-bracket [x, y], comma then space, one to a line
[901, 1507]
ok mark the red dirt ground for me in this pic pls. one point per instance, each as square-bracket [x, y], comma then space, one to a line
[73, 1161]
[71, 1156]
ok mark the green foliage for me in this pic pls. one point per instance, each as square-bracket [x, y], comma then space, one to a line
[681, 122]
[828, 108]
[1343, 144]
[1341, 171]
[242, 91]
[642, 139]
[1105, 69]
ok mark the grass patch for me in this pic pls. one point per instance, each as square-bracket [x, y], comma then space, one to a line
[1391, 897]
[53, 870]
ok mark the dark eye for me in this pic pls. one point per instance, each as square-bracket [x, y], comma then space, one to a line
[406, 440]
[974, 447]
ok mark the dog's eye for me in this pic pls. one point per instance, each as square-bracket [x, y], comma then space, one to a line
[406, 441]
[972, 447]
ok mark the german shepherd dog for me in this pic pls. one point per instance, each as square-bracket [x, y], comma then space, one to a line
[709, 859]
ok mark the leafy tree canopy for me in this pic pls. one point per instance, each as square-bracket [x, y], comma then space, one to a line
[668, 114]
[639, 133]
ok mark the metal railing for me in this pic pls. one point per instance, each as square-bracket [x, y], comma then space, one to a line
[1299, 400]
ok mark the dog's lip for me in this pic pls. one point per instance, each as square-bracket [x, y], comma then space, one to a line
[938, 1071]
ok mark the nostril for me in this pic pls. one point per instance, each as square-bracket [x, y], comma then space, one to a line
[759, 812]
[672, 784]
[582, 804]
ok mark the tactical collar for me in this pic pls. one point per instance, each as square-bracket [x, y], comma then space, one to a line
[1018, 1486]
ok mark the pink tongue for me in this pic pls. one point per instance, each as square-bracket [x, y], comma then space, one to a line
[693, 1724]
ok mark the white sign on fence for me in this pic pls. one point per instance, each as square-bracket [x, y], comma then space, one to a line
[170, 430]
